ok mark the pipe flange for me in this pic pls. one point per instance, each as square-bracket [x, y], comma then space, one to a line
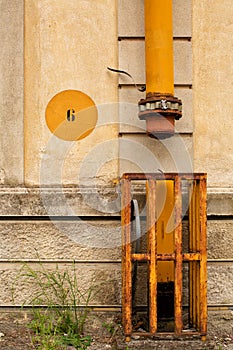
[164, 104]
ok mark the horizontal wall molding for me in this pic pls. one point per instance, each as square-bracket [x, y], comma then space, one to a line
[25, 202]
[175, 38]
[39, 219]
[57, 201]
[84, 262]
[107, 308]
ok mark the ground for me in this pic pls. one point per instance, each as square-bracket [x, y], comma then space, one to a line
[14, 335]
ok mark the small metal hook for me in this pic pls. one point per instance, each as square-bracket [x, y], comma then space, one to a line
[141, 89]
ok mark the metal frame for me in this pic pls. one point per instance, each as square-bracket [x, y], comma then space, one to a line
[196, 257]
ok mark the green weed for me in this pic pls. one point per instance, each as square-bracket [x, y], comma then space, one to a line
[59, 307]
[109, 326]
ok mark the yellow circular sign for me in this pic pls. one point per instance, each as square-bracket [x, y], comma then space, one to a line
[71, 115]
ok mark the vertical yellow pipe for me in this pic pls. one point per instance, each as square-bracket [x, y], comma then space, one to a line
[160, 79]
[159, 46]
[165, 228]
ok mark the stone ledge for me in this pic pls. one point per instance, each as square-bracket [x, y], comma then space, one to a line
[22, 201]
[71, 201]
[220, 201]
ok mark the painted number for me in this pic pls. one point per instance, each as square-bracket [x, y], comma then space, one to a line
[70, 116]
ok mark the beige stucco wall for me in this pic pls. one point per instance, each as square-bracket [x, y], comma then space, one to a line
[11, 92]
[66, 49]
[213, 83]
[68, 45]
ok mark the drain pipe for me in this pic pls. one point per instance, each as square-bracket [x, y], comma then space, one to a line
[160, 108]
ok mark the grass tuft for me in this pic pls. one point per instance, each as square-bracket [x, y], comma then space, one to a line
[59, 307]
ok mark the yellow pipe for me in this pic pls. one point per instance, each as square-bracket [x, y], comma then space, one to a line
[160, 79]
[165, 228]
[159, 46]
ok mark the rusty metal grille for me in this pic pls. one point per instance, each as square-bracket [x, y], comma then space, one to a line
[195, 258]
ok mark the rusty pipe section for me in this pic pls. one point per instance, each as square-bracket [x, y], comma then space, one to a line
[160, 108]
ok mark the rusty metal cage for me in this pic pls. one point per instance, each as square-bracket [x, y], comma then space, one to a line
[194, 258]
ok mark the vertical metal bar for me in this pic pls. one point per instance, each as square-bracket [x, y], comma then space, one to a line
[126, 258]
[152, 251]
[203, 262]
[197, 249]
[178, 255]
[191, 233]
[194, 264]
[198, 294]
